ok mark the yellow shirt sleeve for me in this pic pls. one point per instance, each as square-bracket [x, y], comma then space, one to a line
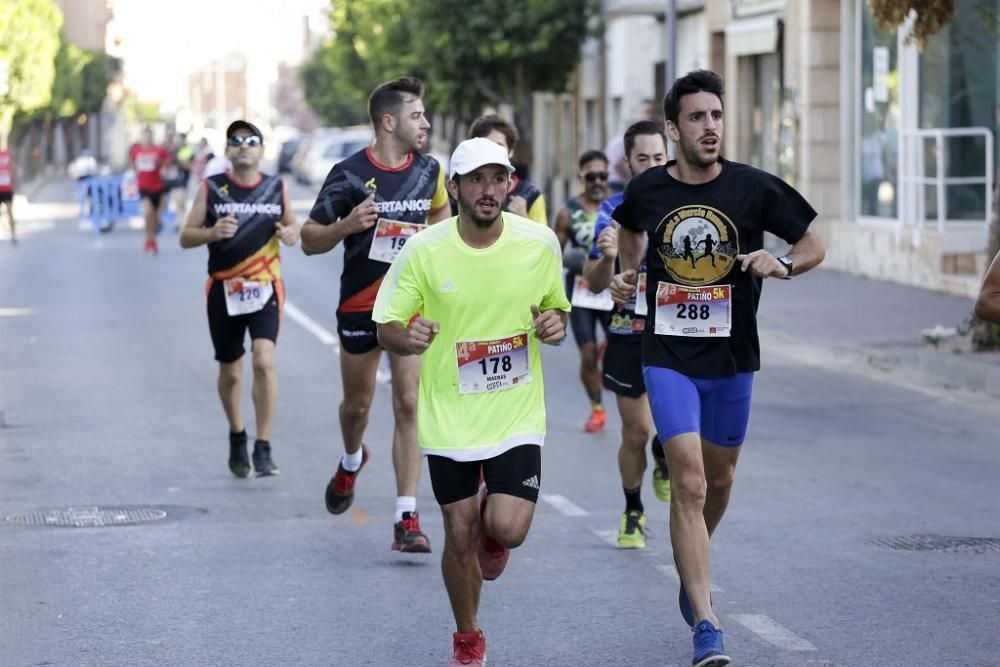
[537, 211]
[399, 296]
[440, 198]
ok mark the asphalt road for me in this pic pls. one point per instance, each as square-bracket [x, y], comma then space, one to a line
[108, 398]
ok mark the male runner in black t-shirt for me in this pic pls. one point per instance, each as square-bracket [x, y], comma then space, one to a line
[700, 345]
[372, 202]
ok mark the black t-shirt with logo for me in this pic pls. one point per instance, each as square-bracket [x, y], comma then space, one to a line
[257, 207]
[695, 233]
[406, 194]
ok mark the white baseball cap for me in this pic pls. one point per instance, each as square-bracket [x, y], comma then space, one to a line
[472, 154]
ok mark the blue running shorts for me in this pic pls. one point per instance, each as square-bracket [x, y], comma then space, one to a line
[716, 408]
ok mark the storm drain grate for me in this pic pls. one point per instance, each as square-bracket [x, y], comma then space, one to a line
[89, 517]
[939, 543]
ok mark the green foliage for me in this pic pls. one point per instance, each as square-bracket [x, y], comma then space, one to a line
[469, 54]
[97, 75]
[67, 87]
[29, 41]
[371, 44]
[138, 111]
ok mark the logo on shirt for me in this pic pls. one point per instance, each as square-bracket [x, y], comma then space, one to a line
[404, 206]
[531, 482]
[370, 184]
[224, 190]
[698, 244]
[447, 287]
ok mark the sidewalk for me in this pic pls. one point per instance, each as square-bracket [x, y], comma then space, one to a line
[842, 316]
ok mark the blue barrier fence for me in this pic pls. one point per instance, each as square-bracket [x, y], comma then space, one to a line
[106, 200]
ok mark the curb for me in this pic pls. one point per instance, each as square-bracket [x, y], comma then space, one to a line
[976, 371]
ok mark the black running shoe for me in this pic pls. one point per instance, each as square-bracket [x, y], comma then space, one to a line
[263, 466]
[239, 462]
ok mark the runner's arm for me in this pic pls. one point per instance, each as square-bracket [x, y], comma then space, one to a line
[318, 238]
[288, 229]
[631, 245]
[988, 303]
[194, 232]
[562, 226]
[806, 253]
[398, 339]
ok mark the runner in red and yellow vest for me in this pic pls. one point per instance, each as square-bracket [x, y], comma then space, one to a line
[7, 190]
[241, 215]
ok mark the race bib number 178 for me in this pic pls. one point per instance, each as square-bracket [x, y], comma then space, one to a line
[492, 365]
[693, 311]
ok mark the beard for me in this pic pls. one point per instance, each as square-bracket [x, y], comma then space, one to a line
[468, 208]
[694, 157]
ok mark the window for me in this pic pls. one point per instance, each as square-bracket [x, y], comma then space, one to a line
[879, 116]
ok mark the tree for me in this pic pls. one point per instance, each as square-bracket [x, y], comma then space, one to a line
[929, 16]
[29, 41]
[470, 55]
[371, 44]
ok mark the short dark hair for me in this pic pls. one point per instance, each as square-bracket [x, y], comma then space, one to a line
[698, 81]
[590, 156]
[388, 97]
[484, 125]
[641, 127]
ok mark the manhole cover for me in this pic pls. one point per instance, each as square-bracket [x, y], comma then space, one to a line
[90, 517]
[940, 543]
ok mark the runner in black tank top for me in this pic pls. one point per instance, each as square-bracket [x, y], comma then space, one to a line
[241, 215]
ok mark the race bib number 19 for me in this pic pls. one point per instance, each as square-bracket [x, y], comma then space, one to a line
[492, 365]
[390, 237]
[693, 311]
[246, 296]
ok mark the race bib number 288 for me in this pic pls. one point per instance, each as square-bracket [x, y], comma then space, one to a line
[492, 365]
[693, 311]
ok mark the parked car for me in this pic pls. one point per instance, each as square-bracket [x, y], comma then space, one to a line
[286, 153]
[327, 149]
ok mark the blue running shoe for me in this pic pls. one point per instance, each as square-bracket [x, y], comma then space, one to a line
[708, 649]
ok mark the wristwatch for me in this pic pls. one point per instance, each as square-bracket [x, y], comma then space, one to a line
[788, 264]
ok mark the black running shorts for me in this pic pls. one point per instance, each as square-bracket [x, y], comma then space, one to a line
[516, 472]
[229, 331]
[357, 332]
[623, 367]
[153, 197]
[584, 321]
[6, 196]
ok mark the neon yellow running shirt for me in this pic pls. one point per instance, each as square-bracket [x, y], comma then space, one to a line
[481, 393]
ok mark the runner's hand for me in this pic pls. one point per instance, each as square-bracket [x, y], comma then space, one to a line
[289, 234]
[224, 228]
[607, 241]
[518, 206]
[422, 333]
[549, 326]
[623, 286]
[762, 264]
[363, 216]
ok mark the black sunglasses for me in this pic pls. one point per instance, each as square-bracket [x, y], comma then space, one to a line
[239, 140]
[594, 176]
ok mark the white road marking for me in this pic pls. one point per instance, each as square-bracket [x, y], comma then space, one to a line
[563, 505]
[312, 326]
[609, 536]
[15, 312]
[774, 634]
[326, 337]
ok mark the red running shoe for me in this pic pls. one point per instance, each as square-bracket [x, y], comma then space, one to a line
[492, 555]
[598, 418]
[469, 649]
[340, 490]
[408, 536]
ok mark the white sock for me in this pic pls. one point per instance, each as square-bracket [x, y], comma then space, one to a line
[352, 462]
[405, 504]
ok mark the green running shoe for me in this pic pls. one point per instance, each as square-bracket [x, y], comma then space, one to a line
[632, 530]
[661, 483]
